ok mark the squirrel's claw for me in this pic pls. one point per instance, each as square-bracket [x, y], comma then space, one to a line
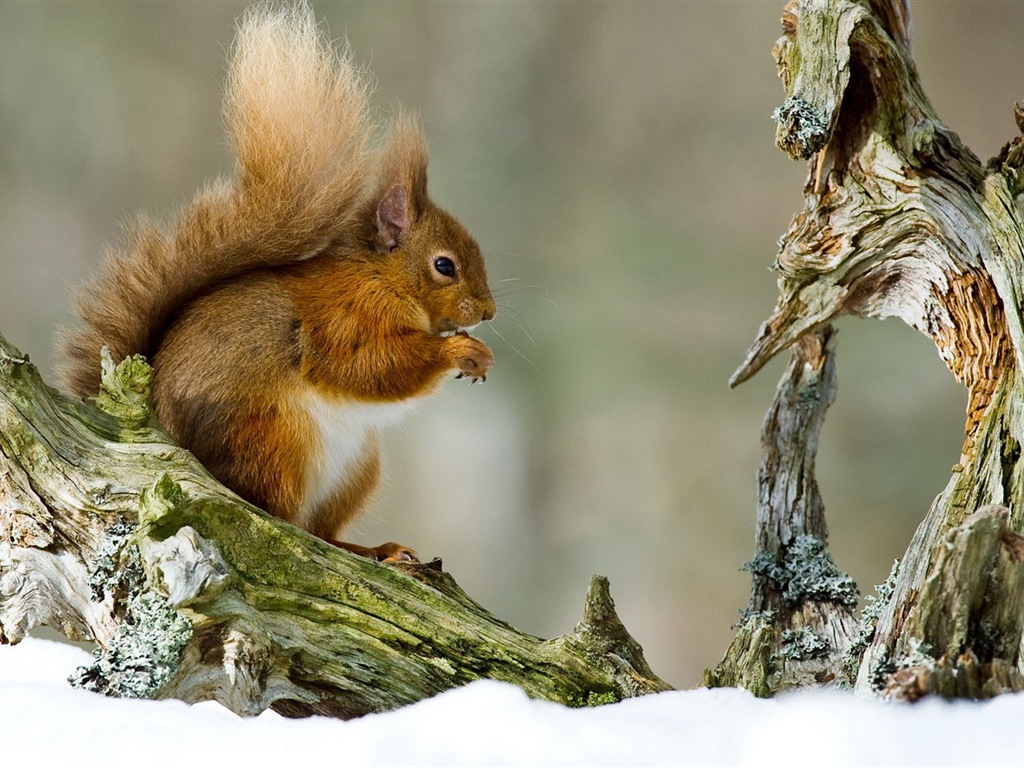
[469, 357]
[385, 553]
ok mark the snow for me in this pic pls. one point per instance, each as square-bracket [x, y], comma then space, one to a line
[44, 721]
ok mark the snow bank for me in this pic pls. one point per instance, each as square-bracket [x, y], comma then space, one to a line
[43, 719]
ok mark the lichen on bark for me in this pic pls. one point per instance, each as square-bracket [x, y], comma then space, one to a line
[144, 653]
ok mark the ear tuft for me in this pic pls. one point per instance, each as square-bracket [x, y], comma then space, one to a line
[394, 218]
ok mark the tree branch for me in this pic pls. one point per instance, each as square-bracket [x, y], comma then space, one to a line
[799, 622]
[110, 532]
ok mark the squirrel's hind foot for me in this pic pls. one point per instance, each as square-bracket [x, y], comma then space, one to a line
[385, 553]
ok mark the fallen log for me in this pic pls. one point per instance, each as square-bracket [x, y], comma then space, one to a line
[110, 532]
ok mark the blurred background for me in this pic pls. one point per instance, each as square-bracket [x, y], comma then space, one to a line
[615, 160]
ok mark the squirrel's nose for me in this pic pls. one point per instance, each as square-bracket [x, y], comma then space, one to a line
[490, 310]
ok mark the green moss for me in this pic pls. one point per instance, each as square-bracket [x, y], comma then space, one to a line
[748, 663]
[125, 390]
[157, 503]
[595, 699]
[793, 59]
[592, 699]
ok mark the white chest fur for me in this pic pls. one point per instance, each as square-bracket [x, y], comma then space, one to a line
[342, 429]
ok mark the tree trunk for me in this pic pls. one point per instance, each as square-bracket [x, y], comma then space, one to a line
[110, 532]
[900, 220]
[800, 621]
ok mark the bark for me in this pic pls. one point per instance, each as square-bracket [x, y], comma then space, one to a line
[110, 532]
[800, 620]
[902, 220]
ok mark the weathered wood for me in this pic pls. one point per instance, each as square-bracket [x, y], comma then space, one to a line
[800, 621]
[902, 220]
[110, 532]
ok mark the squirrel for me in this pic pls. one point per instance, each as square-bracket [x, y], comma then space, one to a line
[302, 306]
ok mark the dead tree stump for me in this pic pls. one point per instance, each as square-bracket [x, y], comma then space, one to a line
[900, 220]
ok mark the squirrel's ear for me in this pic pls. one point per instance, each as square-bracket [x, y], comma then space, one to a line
[394, 217]
[403, 182]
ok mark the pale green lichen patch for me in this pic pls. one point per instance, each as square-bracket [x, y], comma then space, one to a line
[873, 607]
[802, 644]
[144, 652]
[806, 572]
[922, 137]
[116, 569]
[879, 669]
[751, 618]
[802, 129]
[919, 654]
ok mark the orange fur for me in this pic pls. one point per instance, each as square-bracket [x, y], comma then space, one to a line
[293, 307]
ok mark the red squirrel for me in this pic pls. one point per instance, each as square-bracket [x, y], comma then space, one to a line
[300, 307]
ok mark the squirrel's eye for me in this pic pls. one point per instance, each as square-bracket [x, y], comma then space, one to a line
[444, 266]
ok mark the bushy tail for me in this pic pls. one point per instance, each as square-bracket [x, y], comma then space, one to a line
[297, 117]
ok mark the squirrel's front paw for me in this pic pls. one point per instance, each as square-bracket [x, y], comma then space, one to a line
[470, 356]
